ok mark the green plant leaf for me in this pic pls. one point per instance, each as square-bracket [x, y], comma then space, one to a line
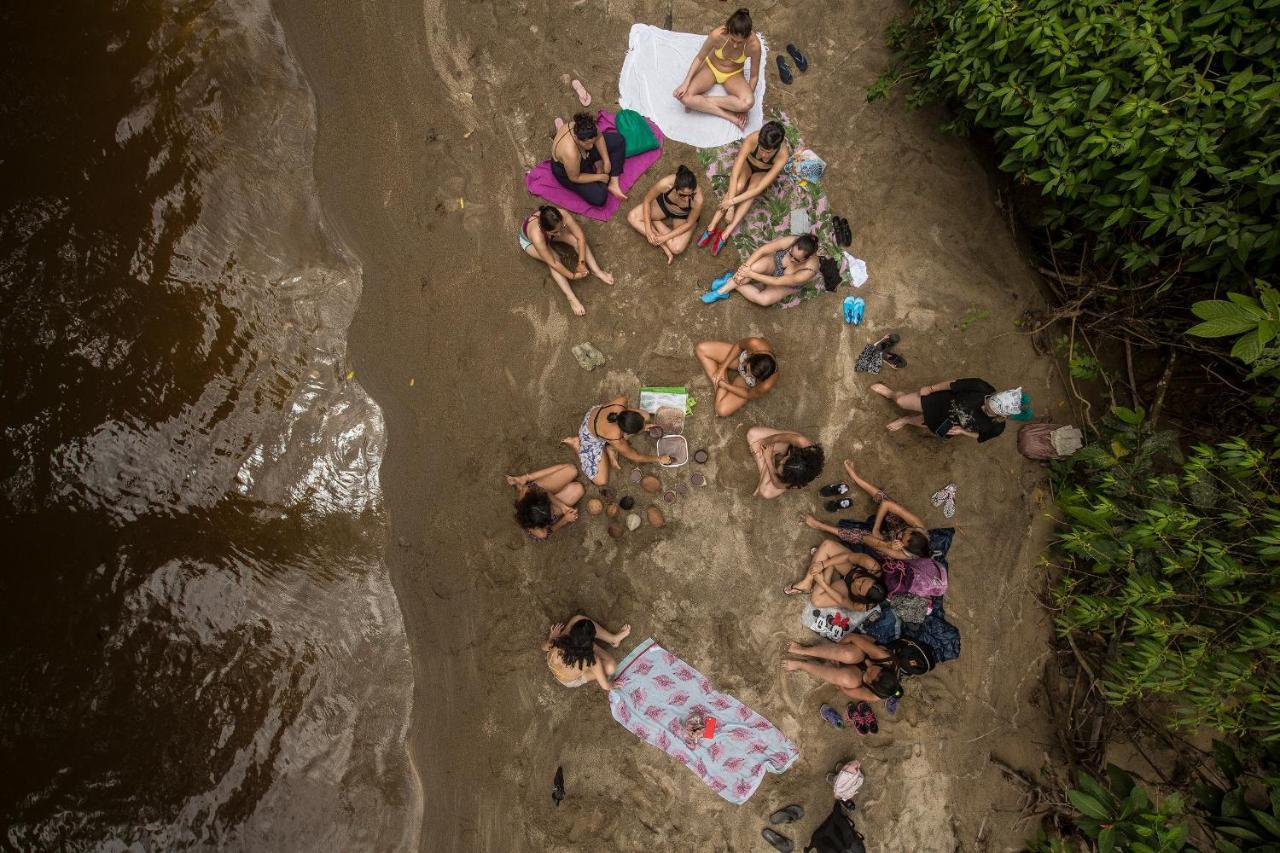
[1248, 348]
[1107, 840]
[1087, 805]
[1222, 327]
[1099, 92]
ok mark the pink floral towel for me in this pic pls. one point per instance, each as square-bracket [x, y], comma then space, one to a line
[655, 691]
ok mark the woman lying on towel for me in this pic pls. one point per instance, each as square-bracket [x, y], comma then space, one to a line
[545, 499]
[669, 212]
[603, 432]
[575, 655]
[773, 272]
[722, 60]
[588, 162]
[786, 460]
[843, 590]
[550, 224]
[740, 372]
[760, 160]
[861, 669]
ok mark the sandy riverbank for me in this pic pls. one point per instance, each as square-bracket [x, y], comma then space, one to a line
[451, 304]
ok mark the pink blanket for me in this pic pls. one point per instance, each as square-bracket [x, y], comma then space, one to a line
[655, 691]
[540, 182]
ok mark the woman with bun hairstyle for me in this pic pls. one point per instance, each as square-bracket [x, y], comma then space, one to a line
[723, 59]
[605, 428]
[740, 372]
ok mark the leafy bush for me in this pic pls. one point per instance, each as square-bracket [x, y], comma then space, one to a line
[1151, 128]
[1172, 565]
[1257, 324]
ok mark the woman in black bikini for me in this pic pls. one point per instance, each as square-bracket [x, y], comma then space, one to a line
[587, 161]
[773, 272]
[669, 212]
[861, 669]
[760, 160]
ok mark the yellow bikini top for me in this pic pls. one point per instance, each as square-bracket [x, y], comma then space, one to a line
[719, 52]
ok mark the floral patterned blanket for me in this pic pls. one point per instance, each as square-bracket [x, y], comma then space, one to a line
[656, 691]
[770, 217]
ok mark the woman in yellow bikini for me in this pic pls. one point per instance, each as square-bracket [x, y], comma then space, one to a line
[722, 60]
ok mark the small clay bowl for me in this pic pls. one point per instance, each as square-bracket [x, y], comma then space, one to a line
[627, 502]
[669, 496]
[700, 456]
[595, 506]
[616, 530]
[682, 488]
[655, 516]
[612, 511]
[651, 484]
[697, 479]
[636, 475]
[606, 495]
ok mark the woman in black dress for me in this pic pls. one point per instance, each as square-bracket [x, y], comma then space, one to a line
[969, 407]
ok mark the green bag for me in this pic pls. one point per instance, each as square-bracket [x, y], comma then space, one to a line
[636, 131]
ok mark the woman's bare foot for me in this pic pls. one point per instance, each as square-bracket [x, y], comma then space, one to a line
[623, 633]
[797, 649]
[792, 589]
[791, 665]
[607, 278]
[740, 119]
[576, 307]
[667, 252]
[514, 481]
[895, 425]
[572, 441]
[883, 390]
[615, 189]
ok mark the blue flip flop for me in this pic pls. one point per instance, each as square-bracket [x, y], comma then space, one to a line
[713, 296]
[854, 309]
[722, 280]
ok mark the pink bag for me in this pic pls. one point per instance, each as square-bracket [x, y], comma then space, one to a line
[925, 577]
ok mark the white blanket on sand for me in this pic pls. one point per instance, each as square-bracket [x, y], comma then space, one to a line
[656, 62]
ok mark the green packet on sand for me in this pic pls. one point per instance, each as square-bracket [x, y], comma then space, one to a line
[636, 131]
[673, 396]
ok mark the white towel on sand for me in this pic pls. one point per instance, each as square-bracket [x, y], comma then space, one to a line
[656, 62]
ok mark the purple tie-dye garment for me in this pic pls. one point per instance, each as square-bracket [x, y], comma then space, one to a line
[655, 691]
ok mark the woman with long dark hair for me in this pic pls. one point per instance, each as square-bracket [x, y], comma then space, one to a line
[549, 225]
[575, 654]
[842, 590]
[669, 212]
[786, 460]
[545, 499]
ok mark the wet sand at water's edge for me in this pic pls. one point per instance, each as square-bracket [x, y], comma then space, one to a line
[465, 345]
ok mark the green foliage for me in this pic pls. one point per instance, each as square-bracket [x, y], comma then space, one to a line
[1255, 322]
[1151, 128]
[1173, 565]
[1238, 825]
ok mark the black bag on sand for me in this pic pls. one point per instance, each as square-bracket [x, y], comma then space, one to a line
[830, 269]
[836, 834]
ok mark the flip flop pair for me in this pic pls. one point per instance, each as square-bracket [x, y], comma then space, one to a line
[855, 308]
[784, 70]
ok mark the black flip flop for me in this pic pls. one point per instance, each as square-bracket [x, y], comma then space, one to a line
[786, 814]
[836, 506]
[784, 73]
[831, 490]
[888, 342]
[778, 842]
[894, 360]
[843, 234]
[801, 62]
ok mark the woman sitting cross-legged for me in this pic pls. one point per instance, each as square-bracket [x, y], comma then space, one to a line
[786, 460]
[545, 500]
[861, 669]
[969, 407]
[605, 428]
[669, 213]
[759, 163]
[843, 590]
[723, 60]
[740, 372]
[774, 271]
[575, 654]
[587, 161]
[550, 224]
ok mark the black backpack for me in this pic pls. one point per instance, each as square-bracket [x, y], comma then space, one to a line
[912, 657]
[836, 834]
